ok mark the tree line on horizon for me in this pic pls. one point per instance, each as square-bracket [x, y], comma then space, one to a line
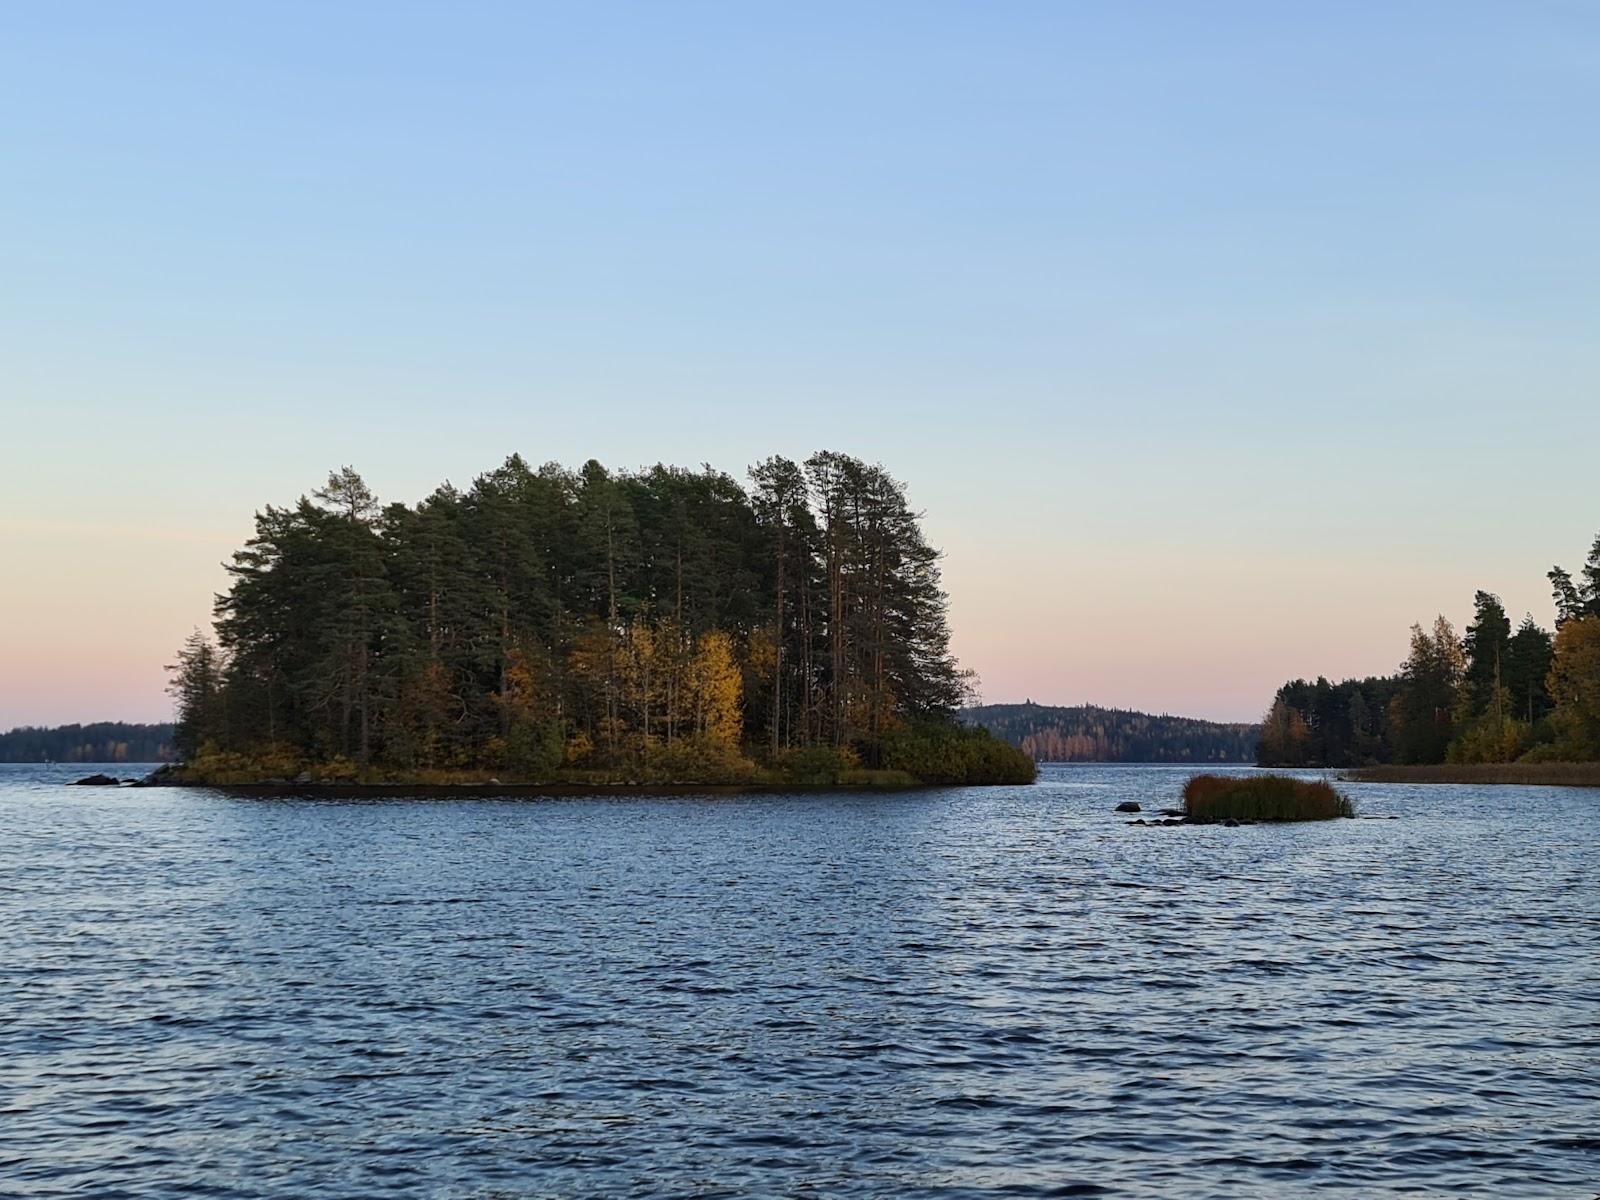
[665, 623]
[97, 741]
[1494, 694]
[1089, 733]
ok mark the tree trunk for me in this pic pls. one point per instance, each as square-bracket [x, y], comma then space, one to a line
[777, 665]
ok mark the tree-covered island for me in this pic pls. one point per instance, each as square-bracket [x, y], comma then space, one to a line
[589, 626]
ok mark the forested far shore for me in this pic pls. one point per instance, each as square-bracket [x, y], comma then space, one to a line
[1492, 695]
[546, 623]
[1087, 733]
[99, 741]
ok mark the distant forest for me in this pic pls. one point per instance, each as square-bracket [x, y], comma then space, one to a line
[661, 624]
[1090, 734]
[103, 741]
[1494, 694]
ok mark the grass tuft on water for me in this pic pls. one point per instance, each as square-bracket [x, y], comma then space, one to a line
[1262, 798]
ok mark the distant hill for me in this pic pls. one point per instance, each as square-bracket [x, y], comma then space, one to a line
[1090, 734]
[102, 741]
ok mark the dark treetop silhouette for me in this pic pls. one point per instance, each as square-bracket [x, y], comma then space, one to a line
[1493, 695]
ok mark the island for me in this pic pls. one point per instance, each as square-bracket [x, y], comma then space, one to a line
[587, 628]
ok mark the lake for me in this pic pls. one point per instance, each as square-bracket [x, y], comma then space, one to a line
[957, 992]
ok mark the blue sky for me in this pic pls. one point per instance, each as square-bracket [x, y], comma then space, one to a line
[1219, 342]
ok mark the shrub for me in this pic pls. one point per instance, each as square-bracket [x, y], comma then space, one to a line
[492, 753]
[1487, 740]
[817, 764]
[337, 769]
[877, 779]
[579, 749]
[1209, 798]
[270, 761]
[1564, 750]
[940, 752]
[533, 749]
[702, 758]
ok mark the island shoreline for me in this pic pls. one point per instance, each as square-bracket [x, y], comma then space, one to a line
[1552, 774]
[398, 791]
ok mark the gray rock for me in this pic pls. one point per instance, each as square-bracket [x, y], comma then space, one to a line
[1128, 806]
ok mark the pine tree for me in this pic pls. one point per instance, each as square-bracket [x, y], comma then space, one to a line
[1569, 603]
[196, 686]
[1487, 647]
[1527, 665]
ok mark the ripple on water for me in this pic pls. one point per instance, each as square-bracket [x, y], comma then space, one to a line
[995, 992]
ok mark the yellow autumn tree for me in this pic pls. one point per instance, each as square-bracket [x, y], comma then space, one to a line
[1574, 685]
[644, 676]
[1284, 736]
[518, 691]
[709, 716]
[717, 689]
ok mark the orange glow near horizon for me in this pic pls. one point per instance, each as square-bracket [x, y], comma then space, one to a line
[92, 614]
[1217, 349]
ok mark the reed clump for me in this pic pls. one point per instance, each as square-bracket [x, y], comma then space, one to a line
[1208, 798]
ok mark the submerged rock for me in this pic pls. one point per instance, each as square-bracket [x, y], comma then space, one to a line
[98, 780]
[166, 775]
[1140, 821]
[1128, 806]
[1230, 823]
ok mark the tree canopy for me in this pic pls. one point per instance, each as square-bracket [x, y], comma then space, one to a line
[1492, 695]
[664, 620]
[99, 741]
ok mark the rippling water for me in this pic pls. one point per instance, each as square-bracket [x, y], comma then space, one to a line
[963, 992]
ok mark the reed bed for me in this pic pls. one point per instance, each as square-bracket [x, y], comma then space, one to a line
[1208, 798]
[1546, 774]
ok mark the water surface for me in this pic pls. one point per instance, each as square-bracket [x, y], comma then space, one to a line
[980, 992]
